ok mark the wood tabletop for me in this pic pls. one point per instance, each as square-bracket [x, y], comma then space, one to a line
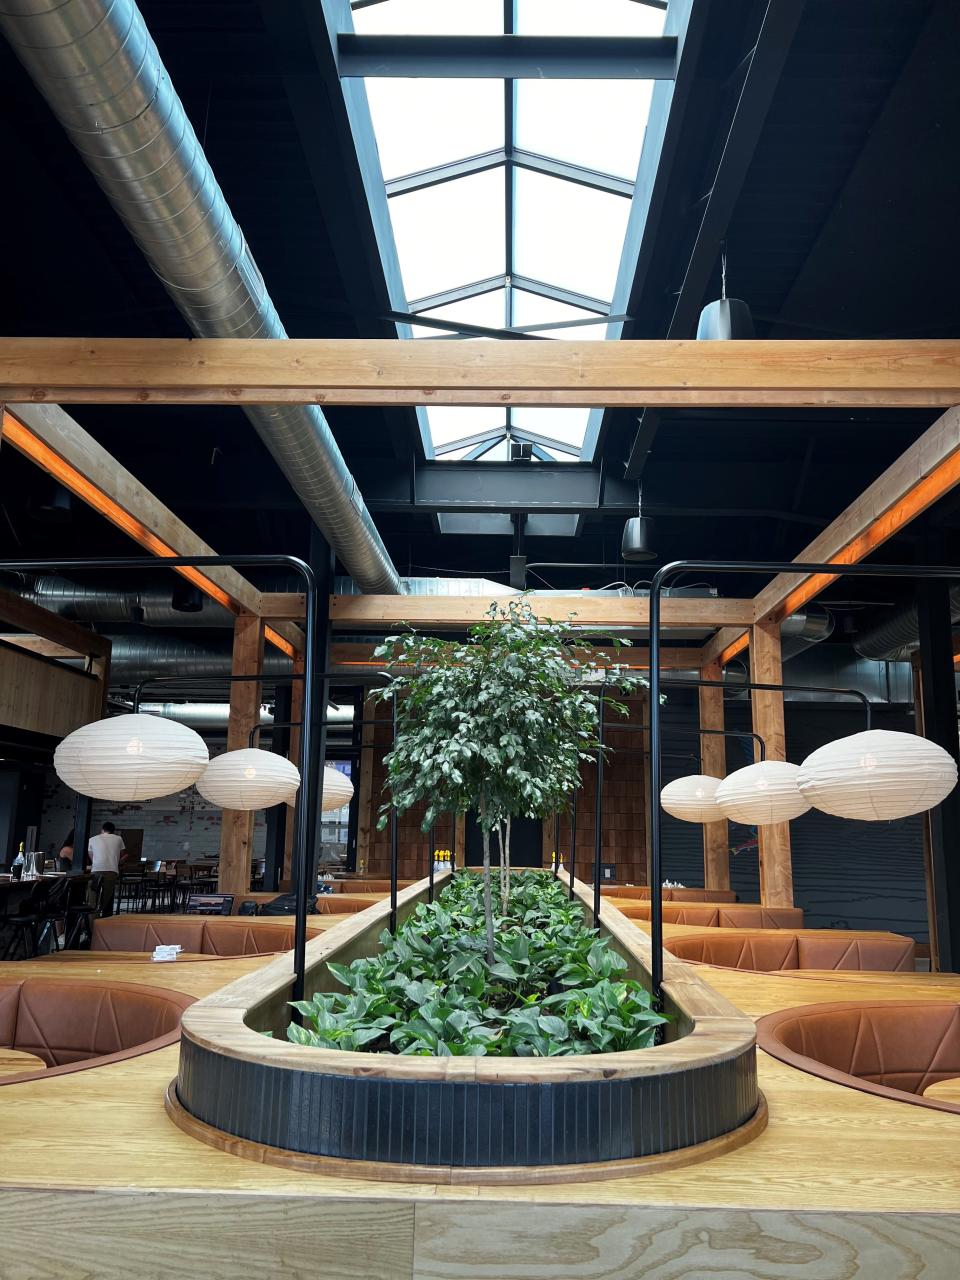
[15, 1061]
[945, 1091]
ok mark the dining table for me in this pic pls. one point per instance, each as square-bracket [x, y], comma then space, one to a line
[14, 1062]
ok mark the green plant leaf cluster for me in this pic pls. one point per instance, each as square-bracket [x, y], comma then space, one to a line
[554, 986]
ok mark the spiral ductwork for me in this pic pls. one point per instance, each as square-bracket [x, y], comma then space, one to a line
[894, 634]
[151, 606]
[99, 70]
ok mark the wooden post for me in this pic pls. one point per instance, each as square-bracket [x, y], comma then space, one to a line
[713, 761]
[776, 869]
[236, 826]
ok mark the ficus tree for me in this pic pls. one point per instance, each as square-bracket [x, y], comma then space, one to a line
[499, 724]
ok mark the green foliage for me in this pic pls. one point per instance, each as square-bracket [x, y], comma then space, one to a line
[500, 723]
[554, 986]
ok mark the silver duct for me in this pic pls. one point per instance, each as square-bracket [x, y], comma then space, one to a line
[151, 606]
[892, 635]
[98, 68]
[135, 658]
[214, 716]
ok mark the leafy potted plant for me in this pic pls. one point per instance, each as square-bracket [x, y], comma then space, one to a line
[499, 724]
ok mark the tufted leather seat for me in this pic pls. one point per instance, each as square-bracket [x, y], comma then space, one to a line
[71, 1021]
[642, 891]
[780, 949]
[748, 915]
[892, 1049]
[197, 935]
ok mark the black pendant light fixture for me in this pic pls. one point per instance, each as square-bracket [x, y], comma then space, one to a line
[727, 318]
[638, 535]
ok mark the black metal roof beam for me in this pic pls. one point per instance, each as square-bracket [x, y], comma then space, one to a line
[459, 293]
[512, 57]
[569, 296]
[486, 160]
[538, 438]
[440, 173]
[467, 442]
[780, 24]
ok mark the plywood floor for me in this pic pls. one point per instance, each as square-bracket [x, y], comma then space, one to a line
[838, 1177]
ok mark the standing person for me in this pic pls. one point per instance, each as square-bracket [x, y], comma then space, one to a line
[66, 853]
[107, 851]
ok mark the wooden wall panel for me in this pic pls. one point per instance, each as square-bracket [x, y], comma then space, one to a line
[42, 696]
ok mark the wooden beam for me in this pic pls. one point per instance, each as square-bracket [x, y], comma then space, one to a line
[776, 869]
[283, 605]
[49, 627]
[611, 612]
[343, 656]
[808, 374]
[49, 437]
[236, 826]
[713, 761]
[921, 475]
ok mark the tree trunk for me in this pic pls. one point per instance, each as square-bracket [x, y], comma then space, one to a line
[487, 895]
[505, 864]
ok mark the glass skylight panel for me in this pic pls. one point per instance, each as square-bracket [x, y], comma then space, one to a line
[569, 235]
[587, 18]
[453, 422]
[420, 124]
[530, 308]
[450, 234]
[566, 425]
[431, 17]
[596, 123]
[487, 309]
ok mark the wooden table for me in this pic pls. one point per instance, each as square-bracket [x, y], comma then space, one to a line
[944, 1091]
[13, 1062]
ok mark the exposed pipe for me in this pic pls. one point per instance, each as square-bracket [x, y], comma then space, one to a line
[892, 635]
[135, 658]
[149, 606]
[99, 70]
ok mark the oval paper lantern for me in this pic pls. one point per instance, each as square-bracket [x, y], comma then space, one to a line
[337, 789]
[132, 757]
[249, 779]
[692, 799]
[762, 793]
[877, 775]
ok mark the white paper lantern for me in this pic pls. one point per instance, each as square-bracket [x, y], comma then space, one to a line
[337, 789]
[132, 757]
[762, 793]
[877, 775]
[692, 799]
[249, 779]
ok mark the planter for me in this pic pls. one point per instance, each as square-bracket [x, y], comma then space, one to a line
[464, 1119]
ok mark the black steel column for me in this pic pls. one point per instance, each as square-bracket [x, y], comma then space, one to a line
[394, 835]
[277, 813]
[322, 563]
[433, 859]
[573, 839]
[939, 697]
[598, 814]
[81, 831]
[556, 841]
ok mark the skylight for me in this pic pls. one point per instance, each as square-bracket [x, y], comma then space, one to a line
[509, 200]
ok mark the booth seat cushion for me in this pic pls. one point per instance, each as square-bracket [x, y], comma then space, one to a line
[893, 1049]
[741, 916]
[780, 949]
[642, 891]
[69, 1021]
[198, 935]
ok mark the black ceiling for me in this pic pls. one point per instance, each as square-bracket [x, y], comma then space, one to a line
[845, 226]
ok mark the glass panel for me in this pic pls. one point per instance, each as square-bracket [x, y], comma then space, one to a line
[566, 425]
[499, 453]
[596, 123]
[489, 309]
[453, 422]
[568, 235]
[431, 17]
[529, 308]
[451, 234]
[422, 123]
[587, 18]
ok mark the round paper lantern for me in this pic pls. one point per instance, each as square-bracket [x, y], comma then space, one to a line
[877, 775]
[337, 789]
[249, 779]
[132, 757]
[692, 799]
[761, 794]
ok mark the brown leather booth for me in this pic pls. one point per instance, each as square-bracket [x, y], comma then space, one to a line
[68, 1021]
[780, 949]
[669, 895]
[891, 1049]
[741, 915]
[197, 935]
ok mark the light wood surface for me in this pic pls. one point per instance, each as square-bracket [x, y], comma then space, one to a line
[776, 868]
[50, 628]
[387, 372]
[15, 1061]
[352, 612]
[41, 696]
[237, 825]
[713, 762]
[945, 1091]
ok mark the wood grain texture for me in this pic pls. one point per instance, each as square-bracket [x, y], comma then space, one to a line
[776, 870]
[713, 762]
[503, 1242]
[236, 825]
[44, 626]
[43, 696]
[944, 1091]
[15, 1061]
[338, 371]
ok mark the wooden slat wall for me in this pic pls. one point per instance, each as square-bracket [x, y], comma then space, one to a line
[42, 696]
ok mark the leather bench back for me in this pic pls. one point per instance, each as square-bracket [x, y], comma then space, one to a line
[198, 935]
[744, 915]
[781, 949]
[642, 891]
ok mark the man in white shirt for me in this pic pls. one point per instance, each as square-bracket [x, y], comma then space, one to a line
[106, 853]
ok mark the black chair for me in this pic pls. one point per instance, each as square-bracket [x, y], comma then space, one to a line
[79, 915]
[25, 924]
